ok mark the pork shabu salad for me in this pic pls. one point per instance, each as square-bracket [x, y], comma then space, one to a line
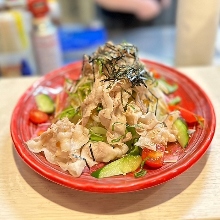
[119, 116]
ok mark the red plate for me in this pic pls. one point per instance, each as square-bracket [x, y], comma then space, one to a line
[194, 98]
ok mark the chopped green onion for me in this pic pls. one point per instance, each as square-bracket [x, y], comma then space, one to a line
[170, 88]
[117, 139]
[176, 100]
[131, 106]
[69, 113]
[98, 134]
[97, 137]
[98, 130]
[140, 173]
[99, 107]
[117, 122]
[135, 150]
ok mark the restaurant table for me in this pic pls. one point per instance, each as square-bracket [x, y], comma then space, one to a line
[195, 194]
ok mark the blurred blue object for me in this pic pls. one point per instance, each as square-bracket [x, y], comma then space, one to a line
[25, 68]
[77, 40]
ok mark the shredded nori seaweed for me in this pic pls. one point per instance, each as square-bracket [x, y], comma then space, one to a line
[121, 62]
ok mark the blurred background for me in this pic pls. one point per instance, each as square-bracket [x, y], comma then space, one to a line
[38, 36]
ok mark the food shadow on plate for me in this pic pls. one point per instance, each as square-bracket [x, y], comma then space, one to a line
[102, 203]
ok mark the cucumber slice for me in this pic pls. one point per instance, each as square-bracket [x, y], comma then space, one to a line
[123, 165]
[45, 103]
[182, 132]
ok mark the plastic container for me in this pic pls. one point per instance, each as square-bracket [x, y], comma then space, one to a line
[77, 40]
[15, 43]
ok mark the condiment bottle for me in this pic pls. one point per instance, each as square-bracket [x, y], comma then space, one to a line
[45, 38]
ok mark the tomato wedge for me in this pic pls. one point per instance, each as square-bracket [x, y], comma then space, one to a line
[154, 159]
[190, 117]
[37, 116]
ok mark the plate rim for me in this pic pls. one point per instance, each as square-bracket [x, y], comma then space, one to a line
[66, 180]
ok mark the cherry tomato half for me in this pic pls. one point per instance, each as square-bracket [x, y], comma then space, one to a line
[37, 116]
[154, 159]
